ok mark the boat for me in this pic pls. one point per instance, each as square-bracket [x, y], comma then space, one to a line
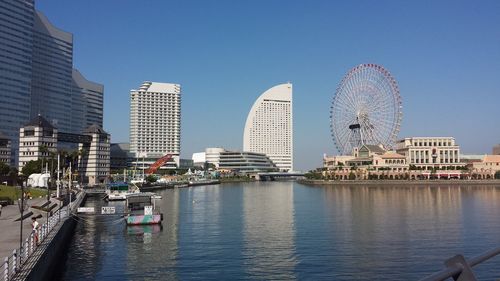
[203, 182]
[119, 191]
[141, 209]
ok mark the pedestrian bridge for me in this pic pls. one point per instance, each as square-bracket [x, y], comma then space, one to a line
[271, 176]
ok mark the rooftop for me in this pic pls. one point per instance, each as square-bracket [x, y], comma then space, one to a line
[95, 129]
[39, 121]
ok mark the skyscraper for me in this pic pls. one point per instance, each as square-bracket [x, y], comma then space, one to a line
[87, 103]
[51, 74]
[16, 47]
[269, 126]
[37, 77]
[155, 120]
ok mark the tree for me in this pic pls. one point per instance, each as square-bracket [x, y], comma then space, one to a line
[352, 176]
[4, 169]
[32, 167]
[151, 178]
[497, 175]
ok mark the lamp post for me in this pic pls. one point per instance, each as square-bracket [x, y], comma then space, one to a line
[21, 210]
[58, 182]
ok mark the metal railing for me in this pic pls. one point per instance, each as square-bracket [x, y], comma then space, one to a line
[460, 269]
[17, 259]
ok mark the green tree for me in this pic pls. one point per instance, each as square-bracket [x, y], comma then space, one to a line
[32, 167]
[4, 169]
[151, 178]
[352, 176]
[497, 175]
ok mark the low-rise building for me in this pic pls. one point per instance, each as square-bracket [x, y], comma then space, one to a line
[430, 152]
[40, 140]
[235, 161]
[94, 164]
[487, 167]
[367, 162]
[37, 140]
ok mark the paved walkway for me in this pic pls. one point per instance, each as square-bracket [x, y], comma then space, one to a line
[10, 228]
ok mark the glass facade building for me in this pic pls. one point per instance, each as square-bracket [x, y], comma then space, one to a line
[51, 82]
[37, 76]
[16, 46]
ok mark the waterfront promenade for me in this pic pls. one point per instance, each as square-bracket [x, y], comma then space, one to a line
[9, 240]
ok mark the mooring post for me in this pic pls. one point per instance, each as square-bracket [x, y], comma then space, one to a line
[466, 274]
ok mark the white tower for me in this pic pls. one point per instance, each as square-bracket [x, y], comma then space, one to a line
[269, 126]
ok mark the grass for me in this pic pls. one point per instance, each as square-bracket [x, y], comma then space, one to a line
[15, 192]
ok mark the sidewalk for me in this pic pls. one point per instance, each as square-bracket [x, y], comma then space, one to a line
[9, 228]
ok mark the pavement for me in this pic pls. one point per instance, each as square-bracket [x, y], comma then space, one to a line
[10, 228]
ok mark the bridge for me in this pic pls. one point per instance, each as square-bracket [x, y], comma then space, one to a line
[272, 176]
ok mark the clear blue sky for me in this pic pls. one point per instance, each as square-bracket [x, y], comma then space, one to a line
[445, 56]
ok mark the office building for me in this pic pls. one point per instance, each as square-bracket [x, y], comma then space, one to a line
[5, 149]
[37, 77]
[120, 157]
[52, 66]
[16, 47]
[155, 122]
[269, 126]
[87, 103]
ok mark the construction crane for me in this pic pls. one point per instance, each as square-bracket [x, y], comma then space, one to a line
[156, 165]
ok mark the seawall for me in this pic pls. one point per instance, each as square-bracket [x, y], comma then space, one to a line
[379, 183]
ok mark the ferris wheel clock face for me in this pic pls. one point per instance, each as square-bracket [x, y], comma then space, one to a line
[366, 109]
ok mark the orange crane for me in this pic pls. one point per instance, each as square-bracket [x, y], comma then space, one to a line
[156, 165]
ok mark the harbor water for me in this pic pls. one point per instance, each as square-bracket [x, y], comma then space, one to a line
[288, 231]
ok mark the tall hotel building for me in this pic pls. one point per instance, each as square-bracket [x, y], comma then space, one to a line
[155, 121]
[269, 126]
[37, 76]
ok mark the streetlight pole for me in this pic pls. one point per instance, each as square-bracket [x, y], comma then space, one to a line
[21, 209]
[48, 194]
[58, 163]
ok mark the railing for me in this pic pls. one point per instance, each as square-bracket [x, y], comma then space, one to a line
[14, 262]
[461, 269]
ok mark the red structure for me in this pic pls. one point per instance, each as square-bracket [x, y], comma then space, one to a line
[152, 169]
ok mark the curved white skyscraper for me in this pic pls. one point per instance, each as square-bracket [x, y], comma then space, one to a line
[269, 126]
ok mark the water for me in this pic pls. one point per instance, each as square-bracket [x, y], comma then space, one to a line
[287, 231]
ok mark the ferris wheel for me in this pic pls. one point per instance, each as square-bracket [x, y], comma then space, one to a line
[366, 109]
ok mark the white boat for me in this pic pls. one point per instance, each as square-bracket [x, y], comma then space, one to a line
[119, 191]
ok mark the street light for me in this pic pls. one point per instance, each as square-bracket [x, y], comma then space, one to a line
[21, 210]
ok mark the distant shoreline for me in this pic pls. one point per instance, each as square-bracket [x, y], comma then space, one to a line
[398, 182]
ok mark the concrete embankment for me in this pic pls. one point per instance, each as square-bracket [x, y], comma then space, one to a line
[399, 182]
[43, 264]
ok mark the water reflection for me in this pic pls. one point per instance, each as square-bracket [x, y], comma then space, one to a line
[284, 231]
[269, 231]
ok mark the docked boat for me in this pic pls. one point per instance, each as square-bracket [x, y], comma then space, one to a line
[203, 182]
[141, 209]
[119, 191]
